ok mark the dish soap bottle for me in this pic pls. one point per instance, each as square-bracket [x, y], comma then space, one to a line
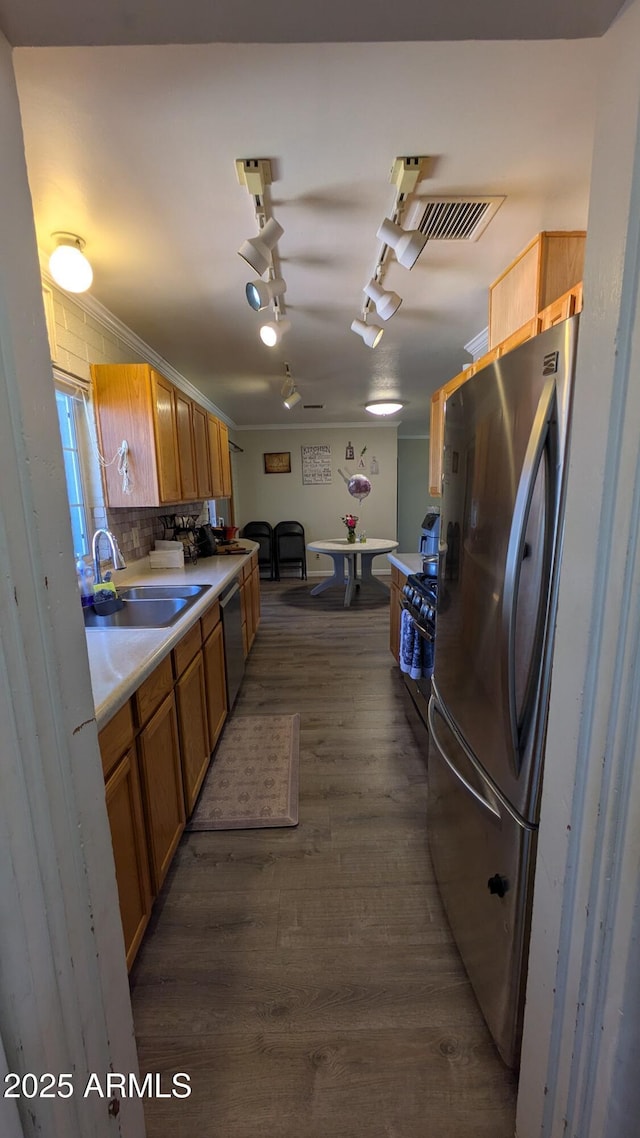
[85, 576]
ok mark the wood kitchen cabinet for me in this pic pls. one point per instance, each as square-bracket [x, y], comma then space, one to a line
[128, 831]
[178, 451]
[220, 460]
[162, 792]
[552, 263]
[193, 725]
[204, 479]
[215, 682]
[398, 581]
[128, 838]
[250, 600]
[186, 449]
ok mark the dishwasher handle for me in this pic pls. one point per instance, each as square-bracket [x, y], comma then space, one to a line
[229, 593]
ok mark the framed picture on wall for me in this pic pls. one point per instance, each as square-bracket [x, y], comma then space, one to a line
[278, 462]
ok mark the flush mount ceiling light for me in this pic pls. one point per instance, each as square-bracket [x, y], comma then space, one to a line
[371, 333]
[386, 302]
[272, 332]
[261, 293]
[383, 407]
[68, 265]
[407, 244]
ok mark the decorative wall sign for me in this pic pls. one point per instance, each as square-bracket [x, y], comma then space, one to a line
[349, 453]
[278, 462]
[375, 466]
[316, 466]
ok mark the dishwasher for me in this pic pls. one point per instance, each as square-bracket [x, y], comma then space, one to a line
[231, 611]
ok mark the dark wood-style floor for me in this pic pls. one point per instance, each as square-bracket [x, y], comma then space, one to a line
[306, 978]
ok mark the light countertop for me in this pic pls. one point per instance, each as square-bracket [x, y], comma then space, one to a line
[406, 562]
[121, 658]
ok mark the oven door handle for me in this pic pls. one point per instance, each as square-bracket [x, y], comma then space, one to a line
[423, 631]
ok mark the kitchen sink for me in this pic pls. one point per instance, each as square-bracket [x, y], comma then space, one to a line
[147, 606]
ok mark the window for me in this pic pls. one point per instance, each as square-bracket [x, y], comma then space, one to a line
[68, 410]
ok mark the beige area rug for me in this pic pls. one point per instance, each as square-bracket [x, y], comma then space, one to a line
[253, 779]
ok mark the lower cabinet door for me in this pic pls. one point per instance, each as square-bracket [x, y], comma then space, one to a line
[162, 793]
[128, 837]
[194, 729]
[215, 685]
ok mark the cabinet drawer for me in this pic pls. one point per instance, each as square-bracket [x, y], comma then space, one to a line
[184, 652]
[210, 619]
[116, 738]
[151, 693]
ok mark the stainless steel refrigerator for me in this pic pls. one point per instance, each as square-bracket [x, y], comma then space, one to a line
[505, 443]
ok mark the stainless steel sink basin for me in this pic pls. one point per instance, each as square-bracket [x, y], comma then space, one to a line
[147, 606]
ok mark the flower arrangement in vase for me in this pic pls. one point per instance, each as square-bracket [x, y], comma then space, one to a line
[351, 521]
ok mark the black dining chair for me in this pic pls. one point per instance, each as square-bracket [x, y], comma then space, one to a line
[262, 532]
[290, 547]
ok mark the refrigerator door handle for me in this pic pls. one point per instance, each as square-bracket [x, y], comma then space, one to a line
[515, 552]
[453, 768]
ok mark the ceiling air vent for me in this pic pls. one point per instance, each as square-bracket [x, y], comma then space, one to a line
[451, 219]
[313, 406]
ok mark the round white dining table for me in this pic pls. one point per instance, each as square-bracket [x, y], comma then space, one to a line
[345, 563]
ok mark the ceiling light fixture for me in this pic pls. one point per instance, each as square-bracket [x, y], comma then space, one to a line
[371, 333]
[272, 332]
[293, 398]
[261, 293]
[257, 251]
[383, 407]
[68, 265]
[386, 302]
[407, 244]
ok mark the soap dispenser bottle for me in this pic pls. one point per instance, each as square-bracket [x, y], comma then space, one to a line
[85, 576]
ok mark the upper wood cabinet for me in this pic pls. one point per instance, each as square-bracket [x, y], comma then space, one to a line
[550, 265]
[204, 480]
[169, 439]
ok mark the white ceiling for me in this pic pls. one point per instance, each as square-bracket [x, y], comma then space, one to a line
[133, 147]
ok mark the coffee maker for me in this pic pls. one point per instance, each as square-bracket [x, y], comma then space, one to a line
[430, 541]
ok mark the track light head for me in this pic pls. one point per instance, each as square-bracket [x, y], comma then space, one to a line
[68, 265]
[261, 293]
[386, 302]
[407, 244]
[292, 399]
[257, 250]
[272, 332]
[371, 333]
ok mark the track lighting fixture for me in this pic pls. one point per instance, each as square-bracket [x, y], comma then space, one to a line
[261, 293]
[257, 250]
[272, 332]
[293, 398]
[383, 407]
[371, 333]
[386, 302]
[68, 265]
[407, 244]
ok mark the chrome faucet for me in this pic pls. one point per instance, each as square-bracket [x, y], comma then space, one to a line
[116, 556]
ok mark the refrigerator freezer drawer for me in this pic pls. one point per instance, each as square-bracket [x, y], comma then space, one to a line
[483, 861]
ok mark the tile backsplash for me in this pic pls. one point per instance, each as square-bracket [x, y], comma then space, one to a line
[137, 530]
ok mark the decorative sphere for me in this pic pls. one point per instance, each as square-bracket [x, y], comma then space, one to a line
[359, 486]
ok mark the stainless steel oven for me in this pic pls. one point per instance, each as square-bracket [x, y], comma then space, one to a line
[417, 638]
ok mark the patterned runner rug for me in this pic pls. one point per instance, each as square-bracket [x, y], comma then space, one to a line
[253, 779]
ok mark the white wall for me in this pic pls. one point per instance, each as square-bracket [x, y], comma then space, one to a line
[283, 497]
[414, 498]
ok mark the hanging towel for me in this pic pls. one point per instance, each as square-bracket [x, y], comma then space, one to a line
[416, 653]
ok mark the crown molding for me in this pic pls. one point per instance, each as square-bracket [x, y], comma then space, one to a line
[478, 346]
[314, 426]
[116, 327]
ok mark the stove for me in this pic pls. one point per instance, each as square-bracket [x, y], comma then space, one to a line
[421, 597]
